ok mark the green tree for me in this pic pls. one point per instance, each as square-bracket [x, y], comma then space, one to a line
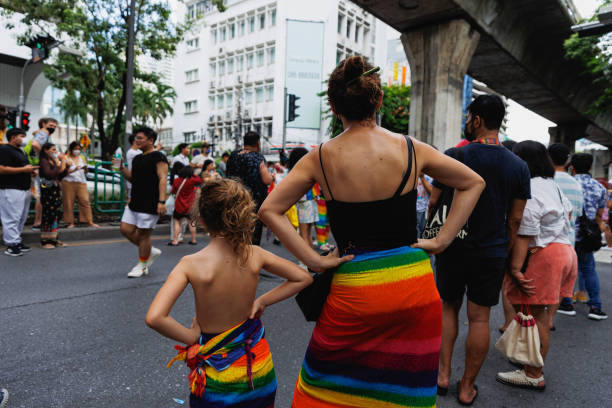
[96, 83]
[153, 105]
[593, 54]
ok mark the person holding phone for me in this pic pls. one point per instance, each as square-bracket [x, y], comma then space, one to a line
[53, 168]
[74, 186]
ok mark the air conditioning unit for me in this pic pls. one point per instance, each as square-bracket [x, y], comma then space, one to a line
[211, 118]
[228, 115]
[246, 113]
[219, 118]
[221, 50]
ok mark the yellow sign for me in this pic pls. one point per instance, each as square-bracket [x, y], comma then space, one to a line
[395, 68]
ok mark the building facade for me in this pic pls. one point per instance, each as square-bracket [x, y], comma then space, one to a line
[230, 71]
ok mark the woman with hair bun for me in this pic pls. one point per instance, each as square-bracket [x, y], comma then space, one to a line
[377, 340]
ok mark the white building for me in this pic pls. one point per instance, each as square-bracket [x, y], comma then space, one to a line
[231, 69]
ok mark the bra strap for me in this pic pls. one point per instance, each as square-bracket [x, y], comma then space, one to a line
[323, 170]
[408, 170]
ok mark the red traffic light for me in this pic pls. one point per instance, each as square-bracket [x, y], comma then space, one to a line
[25, 120]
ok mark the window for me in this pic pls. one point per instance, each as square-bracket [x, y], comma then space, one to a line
[250, 59]
[221, 68]
[272, 17]
[269, 93]
[340, 22]
[251, 24]
[248, 96]
[260, 58]
[230, 65]
[213, 34]
[230, 99]
[357, 29]
[239, 63]
[232, 31]
[192, 75]
[220, 101]
[262, 21]
[203, 7]
[349, 24]
[189, 137]
[338, 56]
[259, 94]
[271, 55]
[269, 129]
[191, 11]
[211, 102]
[193, 44]
[241, 26]
[213, 69]
[223, 33]
[191, 106]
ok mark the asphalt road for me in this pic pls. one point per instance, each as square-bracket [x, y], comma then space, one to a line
[72, 334]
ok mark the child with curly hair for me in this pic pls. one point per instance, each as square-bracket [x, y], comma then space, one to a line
[226, 350]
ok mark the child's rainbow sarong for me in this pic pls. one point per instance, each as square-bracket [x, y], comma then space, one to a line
[233, 369]
[377, 341]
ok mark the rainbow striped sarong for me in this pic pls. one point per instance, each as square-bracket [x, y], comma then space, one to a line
[233, 369]
[377, 341]
[322, 225]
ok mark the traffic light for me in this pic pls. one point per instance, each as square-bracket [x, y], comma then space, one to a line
[292, 107]
[41, 45]
[25, 120]
[12, 119]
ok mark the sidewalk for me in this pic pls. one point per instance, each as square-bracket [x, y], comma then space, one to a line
[106, 231]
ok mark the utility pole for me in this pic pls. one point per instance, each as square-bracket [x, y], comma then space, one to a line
[238, 116]
[284, 119]
[129, 86]
[21, 106]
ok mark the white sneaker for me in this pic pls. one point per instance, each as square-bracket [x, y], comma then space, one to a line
[138, 271]
[518, 378]
[155, 253]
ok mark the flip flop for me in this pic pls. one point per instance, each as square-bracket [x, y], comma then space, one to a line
[172, 244]
[442, 391]
[193, 243]
[467, 404]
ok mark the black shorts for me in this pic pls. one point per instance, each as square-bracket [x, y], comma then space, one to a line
[482, 277]
[179, 216]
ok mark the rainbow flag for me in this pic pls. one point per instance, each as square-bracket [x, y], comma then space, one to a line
[231, 369]
[321, 226]
[377, 341]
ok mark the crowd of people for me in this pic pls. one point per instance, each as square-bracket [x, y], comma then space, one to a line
[518, 221]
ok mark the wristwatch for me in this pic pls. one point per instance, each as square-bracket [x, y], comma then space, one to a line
[161, 202]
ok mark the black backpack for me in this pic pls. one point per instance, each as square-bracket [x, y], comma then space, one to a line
[589, 233]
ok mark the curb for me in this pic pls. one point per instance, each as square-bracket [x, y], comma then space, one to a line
[87, 233]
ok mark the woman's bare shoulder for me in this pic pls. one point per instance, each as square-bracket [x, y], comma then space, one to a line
[199, 266]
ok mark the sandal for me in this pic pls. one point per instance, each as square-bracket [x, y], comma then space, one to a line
[59, 244]
[467, 404]
[172, 244]
[193, 243]
[442, 391]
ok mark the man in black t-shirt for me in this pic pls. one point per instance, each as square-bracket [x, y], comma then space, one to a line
[15, 178]
[147, 201]
[477, 261]
[249, 166]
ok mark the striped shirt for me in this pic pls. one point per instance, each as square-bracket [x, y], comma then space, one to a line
[573, 191]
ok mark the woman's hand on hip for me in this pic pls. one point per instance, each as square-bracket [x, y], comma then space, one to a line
[330, 261]
[431, 246]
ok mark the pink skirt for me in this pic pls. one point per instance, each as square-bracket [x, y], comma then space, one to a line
[553, 270]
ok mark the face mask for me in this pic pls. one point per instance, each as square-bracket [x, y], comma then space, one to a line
[53, 156]
[76, 152]
[50, 130]
[469, 134]
[208, 151]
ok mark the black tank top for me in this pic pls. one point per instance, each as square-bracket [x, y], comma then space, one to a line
[374, 225]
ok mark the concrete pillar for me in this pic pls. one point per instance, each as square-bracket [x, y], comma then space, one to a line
[567, 133]
[439, 56]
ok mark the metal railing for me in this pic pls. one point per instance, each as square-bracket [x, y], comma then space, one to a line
[111, 198]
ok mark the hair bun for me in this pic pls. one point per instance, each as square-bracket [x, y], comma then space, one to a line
[353, 67]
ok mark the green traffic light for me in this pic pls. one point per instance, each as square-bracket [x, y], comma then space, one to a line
[38, 45]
